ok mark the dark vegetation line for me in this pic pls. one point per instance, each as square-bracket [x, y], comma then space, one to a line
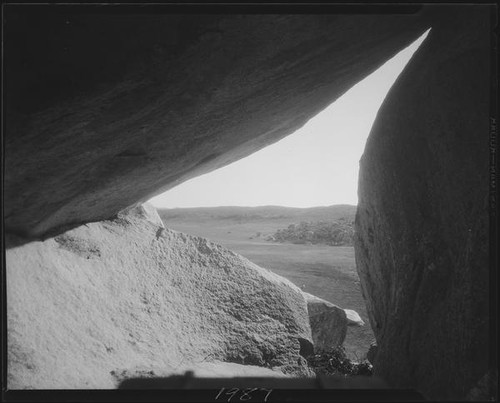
[336, 233]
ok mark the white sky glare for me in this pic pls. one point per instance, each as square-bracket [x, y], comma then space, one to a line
[315, 166]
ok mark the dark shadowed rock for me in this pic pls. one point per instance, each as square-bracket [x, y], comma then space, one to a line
[371, 355]
[486, 388]
[422, 221]
[126, 298]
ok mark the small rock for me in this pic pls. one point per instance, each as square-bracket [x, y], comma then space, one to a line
[328, 322]
[353, 318]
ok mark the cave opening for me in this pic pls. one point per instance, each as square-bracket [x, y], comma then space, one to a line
[290, 207]
[100, 280]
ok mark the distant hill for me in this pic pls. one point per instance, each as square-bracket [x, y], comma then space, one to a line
[255, 214]
[236, 227]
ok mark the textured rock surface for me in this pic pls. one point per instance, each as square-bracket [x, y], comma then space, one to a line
[328, 322]
[128, 297]
[145, 211]
[111, 109]
[422, 220]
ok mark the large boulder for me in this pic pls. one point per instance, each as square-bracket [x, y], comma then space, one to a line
[127, 296]
[422, 230]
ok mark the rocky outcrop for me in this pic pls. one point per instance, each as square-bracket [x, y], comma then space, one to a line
[422, 222]
[125, 297]
[132, 105]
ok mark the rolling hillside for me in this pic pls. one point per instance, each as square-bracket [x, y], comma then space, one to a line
[261, 213]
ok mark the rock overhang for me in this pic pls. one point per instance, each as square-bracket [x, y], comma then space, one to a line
[133, 127]
[104, 111]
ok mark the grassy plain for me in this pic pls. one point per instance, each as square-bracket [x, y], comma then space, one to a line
[328, 272]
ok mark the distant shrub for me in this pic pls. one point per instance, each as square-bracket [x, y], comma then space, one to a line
[335, 362]
[336, 233]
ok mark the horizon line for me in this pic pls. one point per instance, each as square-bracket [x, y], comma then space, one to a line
[262, 206]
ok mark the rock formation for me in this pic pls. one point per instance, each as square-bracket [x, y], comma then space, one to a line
[104, 110]
[127, 298]
[422, 221]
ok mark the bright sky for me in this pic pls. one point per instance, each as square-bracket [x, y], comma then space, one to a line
[315, 166]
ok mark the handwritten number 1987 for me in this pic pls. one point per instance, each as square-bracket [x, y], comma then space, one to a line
[246, 394]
